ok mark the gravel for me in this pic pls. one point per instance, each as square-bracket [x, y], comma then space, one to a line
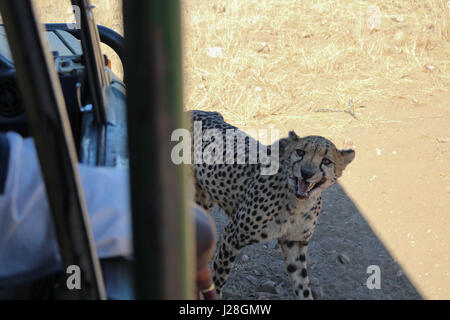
[342, 232]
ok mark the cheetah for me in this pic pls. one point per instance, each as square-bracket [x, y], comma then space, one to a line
[284, 205]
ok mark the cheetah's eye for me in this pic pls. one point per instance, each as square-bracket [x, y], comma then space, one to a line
[326, 161]
[300, 152]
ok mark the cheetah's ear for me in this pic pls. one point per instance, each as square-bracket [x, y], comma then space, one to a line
[293, 136]
[347, 155]
[283, 143]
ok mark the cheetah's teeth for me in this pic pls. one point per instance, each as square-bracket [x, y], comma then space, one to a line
[311, 185]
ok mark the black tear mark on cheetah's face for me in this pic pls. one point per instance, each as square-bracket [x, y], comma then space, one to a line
[314, 164]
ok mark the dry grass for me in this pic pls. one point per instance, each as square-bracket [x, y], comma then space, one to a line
[282, 59]
[277, 60]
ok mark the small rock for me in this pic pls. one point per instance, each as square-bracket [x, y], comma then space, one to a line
[268, 286]
[430, 67]
[344, 259]
[317, 293]
[244, 258]
[214, 52]
[252, 280]
[378, 152]
[398, 19]
[262, 296]
[261, 47]
[314, 281]
[400, 273]
[256, 272]
[279, 288]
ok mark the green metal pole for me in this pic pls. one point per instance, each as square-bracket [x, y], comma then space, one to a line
[163, 231]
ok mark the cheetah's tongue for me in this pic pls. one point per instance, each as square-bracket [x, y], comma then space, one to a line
[302, 188]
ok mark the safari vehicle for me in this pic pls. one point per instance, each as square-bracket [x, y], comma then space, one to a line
[54, 75]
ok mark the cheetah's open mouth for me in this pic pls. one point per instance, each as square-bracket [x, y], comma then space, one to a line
[304, 188]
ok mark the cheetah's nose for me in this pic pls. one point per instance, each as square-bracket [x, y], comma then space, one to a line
[306, 173]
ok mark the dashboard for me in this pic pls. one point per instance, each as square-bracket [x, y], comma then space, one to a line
[68, 61]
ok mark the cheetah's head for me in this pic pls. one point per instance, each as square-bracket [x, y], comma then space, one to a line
[314, 163]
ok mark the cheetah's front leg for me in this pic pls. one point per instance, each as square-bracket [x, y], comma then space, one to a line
[295, 257]
[224, 259]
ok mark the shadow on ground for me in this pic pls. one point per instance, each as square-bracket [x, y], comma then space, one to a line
[342, 230]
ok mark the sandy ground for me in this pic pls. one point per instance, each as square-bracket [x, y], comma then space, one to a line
[390, 209]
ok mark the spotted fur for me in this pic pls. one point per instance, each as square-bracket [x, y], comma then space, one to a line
[263, 207]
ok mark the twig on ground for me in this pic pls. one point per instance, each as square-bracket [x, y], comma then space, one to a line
[350, 110]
